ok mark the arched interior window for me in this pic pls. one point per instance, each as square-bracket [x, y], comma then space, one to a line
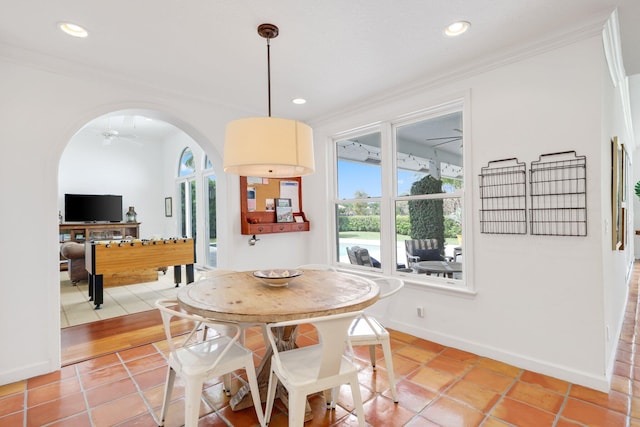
[207, 163]
[187, 192]
[187, 165]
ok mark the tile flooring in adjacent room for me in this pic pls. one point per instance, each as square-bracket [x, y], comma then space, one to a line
[437, 386]
[75, 307]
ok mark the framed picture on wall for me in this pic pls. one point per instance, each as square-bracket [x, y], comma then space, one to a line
[168, 206]
[617, 188]
[284, 211]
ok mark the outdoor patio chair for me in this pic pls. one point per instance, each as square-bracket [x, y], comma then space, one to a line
[360, 256]
[423, 250]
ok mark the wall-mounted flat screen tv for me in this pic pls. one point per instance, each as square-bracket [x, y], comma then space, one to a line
[92, 208]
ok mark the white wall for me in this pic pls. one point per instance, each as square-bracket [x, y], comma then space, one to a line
[539, 301]
[617, 265]
[124, 168]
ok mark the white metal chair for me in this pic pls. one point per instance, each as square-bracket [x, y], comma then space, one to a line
[219, 272]
[213, 273]
[314, 368]
[323, 267]
[367, 330]
[205, 329]
[198, 361]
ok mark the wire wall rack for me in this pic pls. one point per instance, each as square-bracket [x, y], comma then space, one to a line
[503, 194]
[558, 184]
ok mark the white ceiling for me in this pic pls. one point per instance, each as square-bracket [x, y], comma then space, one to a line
[334, 53]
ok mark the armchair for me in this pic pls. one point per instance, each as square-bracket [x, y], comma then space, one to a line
[74, 252]
[360, 256]
[423, 250]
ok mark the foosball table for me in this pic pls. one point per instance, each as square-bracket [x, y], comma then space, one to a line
[116, 257]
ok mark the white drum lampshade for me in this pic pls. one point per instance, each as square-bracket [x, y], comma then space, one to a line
[268, 147]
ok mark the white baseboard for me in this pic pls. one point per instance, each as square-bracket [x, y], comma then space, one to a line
[30, 371]
[566, 373]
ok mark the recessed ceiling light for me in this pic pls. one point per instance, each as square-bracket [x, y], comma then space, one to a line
[457, 28]
[299, 101]
[73, 29]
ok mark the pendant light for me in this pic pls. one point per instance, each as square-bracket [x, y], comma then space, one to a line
[268, 146]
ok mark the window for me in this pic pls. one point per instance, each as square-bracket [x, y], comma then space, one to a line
[400, 196]
[187, 164]
[187, 192]
[359, 192]
[210, 214]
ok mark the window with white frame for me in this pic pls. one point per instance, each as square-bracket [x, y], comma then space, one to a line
[210, 212]
[187, 193]
[399, 201]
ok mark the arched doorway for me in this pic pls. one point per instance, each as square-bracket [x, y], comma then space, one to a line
[134, 155]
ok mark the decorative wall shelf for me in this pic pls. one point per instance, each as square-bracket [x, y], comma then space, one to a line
[257, 208]
[503, 197]
[559, 195]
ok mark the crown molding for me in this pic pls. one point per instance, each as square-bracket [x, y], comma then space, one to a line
[613, 54]
[78, 70]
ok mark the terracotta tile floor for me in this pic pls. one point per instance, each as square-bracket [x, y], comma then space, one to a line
[437, 386]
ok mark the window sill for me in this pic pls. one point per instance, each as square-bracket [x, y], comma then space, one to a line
[452, 289]
[449, 287]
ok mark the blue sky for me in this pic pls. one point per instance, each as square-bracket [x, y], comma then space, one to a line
[353, 176]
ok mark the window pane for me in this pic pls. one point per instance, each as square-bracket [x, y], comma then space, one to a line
[433, 228]
[359, 231]
[192, 186]
[183, 209]
[187, 166]
[431, 147]
[211, 212]
[359, 173]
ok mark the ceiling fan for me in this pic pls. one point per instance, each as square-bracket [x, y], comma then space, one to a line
[111, 135]
[446, 139]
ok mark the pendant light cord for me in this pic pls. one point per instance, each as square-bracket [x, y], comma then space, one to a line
[269, 73]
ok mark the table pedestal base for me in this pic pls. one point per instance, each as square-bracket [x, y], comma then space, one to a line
[285, 340]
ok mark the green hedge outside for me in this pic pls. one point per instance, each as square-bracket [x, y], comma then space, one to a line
[403, 225]
[359, 223]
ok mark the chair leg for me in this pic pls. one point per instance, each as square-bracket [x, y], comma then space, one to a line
[330, 398]
[192, 395]
[372, 355]
[297, 408]
[386, 349]
[255, 391]
[357, 399]
[226, 383]
[271, 395]
[168, 389]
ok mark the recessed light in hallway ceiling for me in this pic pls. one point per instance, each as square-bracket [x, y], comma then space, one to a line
[73, 29]
[457, 28]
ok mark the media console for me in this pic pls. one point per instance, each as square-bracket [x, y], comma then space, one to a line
[113, 257]
[86, 232]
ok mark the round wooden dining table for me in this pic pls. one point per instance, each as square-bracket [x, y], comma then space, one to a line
[242, 297]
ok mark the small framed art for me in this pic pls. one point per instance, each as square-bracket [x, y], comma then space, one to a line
[284, 211]
[168, 206]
